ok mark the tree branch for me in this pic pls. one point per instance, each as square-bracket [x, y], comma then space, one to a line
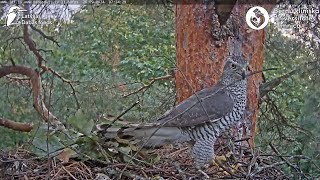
[51, 38]
[32, 46]
[23, 127]
[269, 86]
[285, 160]
[146, 86]
[36, 91]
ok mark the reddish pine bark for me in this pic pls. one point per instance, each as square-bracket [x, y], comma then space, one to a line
[200, 61]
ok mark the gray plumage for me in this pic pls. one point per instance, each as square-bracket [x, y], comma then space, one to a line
[200, 118]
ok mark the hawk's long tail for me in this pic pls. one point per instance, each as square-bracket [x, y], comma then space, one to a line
[148, 135]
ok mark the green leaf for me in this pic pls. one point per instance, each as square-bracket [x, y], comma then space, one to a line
[81, 122]
[45, 142]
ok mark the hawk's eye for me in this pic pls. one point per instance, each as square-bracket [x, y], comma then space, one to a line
[233, 66]
[248, 69]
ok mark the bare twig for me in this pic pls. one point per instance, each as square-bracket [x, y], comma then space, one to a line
[182, 174]
[69, 173]
[259, 169]
[51, 38]
[35, 80]
[32, 46]
[268, 86]
[68, 82]
[120, 115]
[147, 86]
[285, 160]
[227, 170]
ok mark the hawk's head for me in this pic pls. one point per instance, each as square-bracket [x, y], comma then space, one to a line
[235, 69]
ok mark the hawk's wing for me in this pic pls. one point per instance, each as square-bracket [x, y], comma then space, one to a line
[205, 105]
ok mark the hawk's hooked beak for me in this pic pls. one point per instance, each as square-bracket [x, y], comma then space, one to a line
[243, 74]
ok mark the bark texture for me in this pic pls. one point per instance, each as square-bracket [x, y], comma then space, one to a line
[201, 57]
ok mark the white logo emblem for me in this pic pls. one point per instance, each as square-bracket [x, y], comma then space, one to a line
[13, 15]
[257, 17]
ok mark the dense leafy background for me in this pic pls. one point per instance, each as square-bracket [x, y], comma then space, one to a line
[107, 52]
[112, 50]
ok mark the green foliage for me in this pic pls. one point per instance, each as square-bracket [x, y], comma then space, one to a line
[289, 113]
[141, 41]
[309, 119]
[81, 122]
[101, 49]
[45, 143]
[110, 51]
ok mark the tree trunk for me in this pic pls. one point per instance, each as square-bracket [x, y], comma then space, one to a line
[201, 56]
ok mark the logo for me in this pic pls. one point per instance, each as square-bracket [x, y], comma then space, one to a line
[257, 17]
[13, 16]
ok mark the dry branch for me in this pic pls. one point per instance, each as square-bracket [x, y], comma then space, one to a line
[274, 149]
[33, 47]
[36, 91]
[269, 86]
[119, 116]
[253, 164]
[23, 127]
[146, 86]
[51, 38]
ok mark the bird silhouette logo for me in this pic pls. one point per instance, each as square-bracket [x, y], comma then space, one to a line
[13, 15]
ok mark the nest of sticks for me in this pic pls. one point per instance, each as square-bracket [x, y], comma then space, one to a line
[233, 161]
